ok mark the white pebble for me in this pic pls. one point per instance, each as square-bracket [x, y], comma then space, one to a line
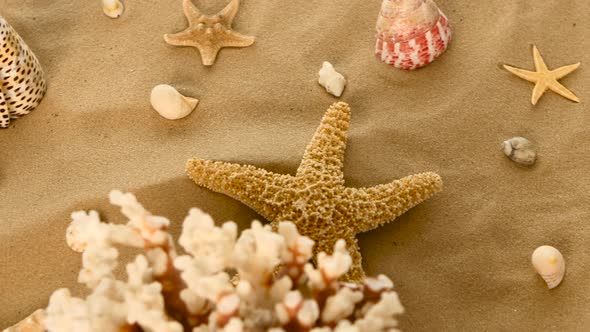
[170, 104]
[330, 79]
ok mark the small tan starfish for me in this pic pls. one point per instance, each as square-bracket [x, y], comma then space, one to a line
[315, 199]
[544, 78]
[209, 33]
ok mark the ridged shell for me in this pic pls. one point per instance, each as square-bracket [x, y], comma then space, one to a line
[411, 33]
[550, 265]
[22, 84]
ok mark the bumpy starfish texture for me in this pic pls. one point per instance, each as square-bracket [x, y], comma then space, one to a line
[544, 78]
[316, 199]
[209, 33]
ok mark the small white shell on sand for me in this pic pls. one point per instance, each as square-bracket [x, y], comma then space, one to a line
[330, 79]
[550, 264]
[520, 150]
[170, 104]
[112, 8]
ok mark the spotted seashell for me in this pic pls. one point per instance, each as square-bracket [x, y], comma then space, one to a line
[550, 265]
[411, 33]
[22, 85]
[520, 150]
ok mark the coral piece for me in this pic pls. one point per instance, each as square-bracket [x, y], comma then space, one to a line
[22, 84]
[112, 8]
[33, 323]
[315, 199]
[411, 33]
[550, 265]
[209, 33]
[332, 80]
[195, 292]
[544, 78]
[520, 150]
[170, 104]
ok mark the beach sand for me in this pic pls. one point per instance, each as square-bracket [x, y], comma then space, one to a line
[460, 261]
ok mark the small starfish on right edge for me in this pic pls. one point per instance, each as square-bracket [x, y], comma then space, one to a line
[544, 78]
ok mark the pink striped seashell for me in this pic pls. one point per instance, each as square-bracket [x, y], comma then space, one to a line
[411, 33]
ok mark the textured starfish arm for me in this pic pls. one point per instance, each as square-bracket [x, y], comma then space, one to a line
[179, 39]
[324, 156]
[235, 39]
[208, 53]
[190, 10]
[562, 71]
[562, 90]
[228, 13]
[378, 205]
[525, 74]
[356, 272]
[252, 186]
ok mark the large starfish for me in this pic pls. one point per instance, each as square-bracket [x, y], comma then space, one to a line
[209, 33]
[316, 199]
[544, 78]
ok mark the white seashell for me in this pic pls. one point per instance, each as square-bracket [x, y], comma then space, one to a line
[22, 84]
[550, 264]
[411, 33]
[112, 8]
[332, 80]
[170, 103]
[520, 150]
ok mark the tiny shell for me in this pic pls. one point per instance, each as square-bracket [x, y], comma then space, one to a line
[332, 80]
[112, 8]
[520, 150]
[170, 104]
[411, 33]
[550, 264]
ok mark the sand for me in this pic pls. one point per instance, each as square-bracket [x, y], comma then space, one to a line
[460, 261]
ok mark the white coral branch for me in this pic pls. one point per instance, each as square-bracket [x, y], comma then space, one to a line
[276, 290]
